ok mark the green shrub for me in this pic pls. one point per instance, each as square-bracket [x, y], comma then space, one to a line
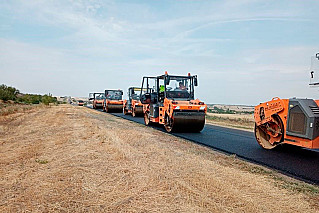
[36, 99]
[8, 93]
[46, 99]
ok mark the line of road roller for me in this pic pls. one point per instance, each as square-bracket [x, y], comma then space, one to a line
[169, 100]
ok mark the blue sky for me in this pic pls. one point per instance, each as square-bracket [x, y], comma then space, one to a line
[243, 51]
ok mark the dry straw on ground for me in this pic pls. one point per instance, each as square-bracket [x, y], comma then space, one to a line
[238, 121]
[12, 108]
[73, 159]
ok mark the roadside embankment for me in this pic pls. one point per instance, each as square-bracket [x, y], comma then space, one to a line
[73, 159]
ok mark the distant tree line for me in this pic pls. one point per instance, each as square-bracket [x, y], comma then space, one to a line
[36, 99]
[227, 111]
[10, 93]
[221, 111]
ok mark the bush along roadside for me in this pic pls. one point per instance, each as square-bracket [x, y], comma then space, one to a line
[11, 94]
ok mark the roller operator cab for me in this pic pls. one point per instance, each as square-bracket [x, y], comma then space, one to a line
[169, 100]
[97, 99]
[133, 105]
[292, 121]
[113, 101]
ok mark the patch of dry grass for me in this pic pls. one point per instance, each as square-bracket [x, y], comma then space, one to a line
[244, 121]
[12, 108]
[95, 162]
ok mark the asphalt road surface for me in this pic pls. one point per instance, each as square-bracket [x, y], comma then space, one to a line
[293, 161]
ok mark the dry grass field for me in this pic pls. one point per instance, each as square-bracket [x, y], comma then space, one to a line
[240, 121]
[73, 159]
[11, 108]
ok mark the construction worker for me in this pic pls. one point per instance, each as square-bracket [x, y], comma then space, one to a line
[181, 86]
[162, 88]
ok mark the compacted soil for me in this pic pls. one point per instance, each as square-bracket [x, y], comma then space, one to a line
[74, 159]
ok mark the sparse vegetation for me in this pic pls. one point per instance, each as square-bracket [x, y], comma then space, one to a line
[12, 101]
[36, 99]
[7, 109]
[232, 120]
[41, 161]
[243, 123]
[10, 96]
[218, 110]
[247, 112]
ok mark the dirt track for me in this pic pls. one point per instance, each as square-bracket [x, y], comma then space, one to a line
[74, 159]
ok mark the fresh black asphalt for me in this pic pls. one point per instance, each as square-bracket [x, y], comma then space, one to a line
[293, 161]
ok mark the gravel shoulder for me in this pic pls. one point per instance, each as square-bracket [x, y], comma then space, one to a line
[74, 159]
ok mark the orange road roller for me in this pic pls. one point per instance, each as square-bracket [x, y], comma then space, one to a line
[98, 100]
[113, 101]
[133, 105]
[169, 100]
[287, 121]
[80, 103]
